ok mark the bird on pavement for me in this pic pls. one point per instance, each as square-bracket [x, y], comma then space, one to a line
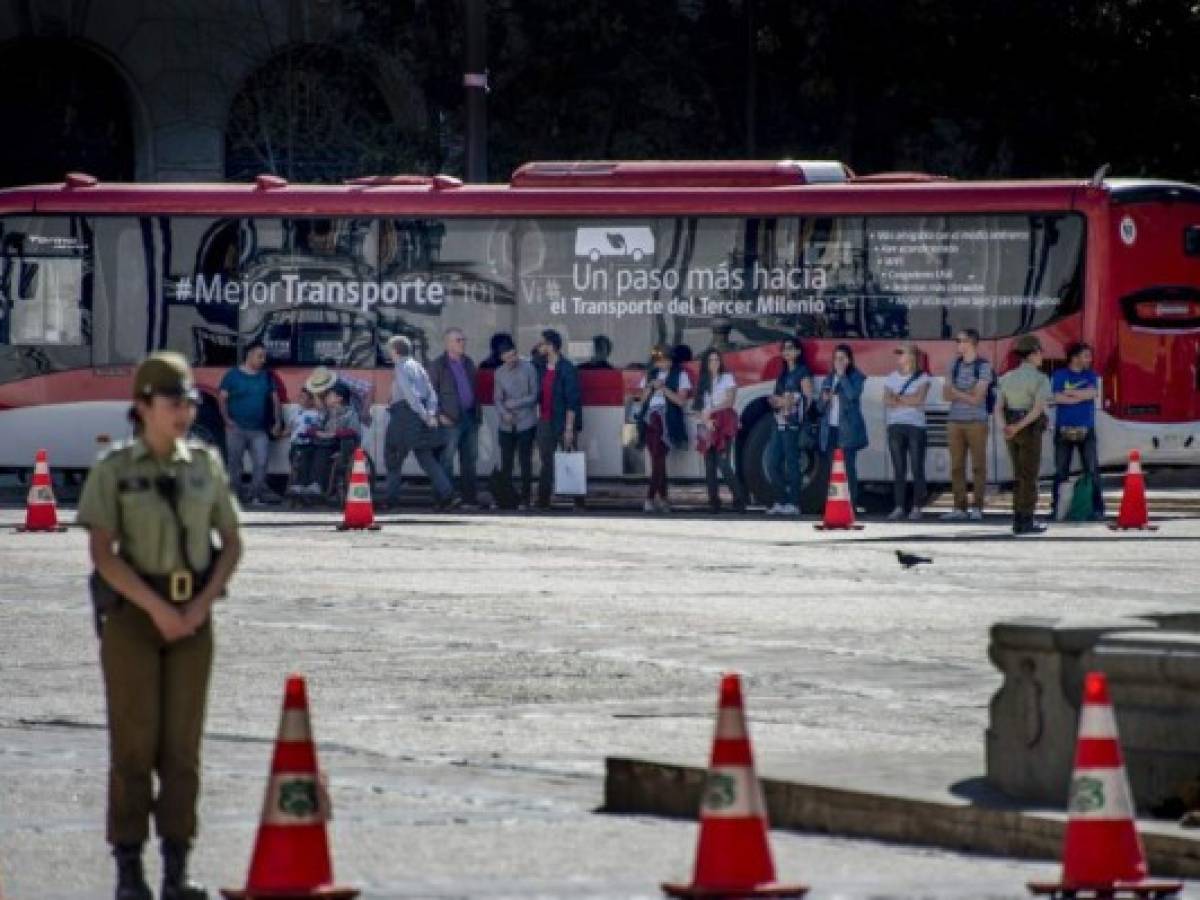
[908, 560]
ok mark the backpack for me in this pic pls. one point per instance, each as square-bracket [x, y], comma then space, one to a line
[1082, 499]
[975, 367]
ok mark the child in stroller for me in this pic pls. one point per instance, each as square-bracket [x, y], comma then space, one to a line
[303, 450]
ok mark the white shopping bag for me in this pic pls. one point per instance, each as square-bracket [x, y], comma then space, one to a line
[1065, 491]
[570, 473]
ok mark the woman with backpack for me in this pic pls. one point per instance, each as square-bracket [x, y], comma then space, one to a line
[663, 395]
[842, 424]
[904, 395]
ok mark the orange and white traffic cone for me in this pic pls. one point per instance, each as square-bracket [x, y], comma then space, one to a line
[41, 514]
[291, 854]
[1102, 853]
[733, 858]
[1134, 514]
[839, 508]
[359, 514]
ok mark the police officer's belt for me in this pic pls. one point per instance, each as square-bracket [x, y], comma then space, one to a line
[182, 584]
[178, 586]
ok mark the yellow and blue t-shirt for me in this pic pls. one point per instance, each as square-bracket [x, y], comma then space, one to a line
[1072, 415]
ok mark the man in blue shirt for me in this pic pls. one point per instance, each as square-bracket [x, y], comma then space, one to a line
[250, 407]
[1075, 389]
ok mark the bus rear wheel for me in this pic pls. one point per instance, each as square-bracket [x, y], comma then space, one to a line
[756, 470]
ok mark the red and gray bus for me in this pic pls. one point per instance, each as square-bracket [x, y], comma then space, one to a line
[616, 256]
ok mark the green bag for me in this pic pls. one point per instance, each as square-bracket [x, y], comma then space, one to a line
[1082, 499]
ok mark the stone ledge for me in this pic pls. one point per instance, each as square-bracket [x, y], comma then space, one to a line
[955, 823]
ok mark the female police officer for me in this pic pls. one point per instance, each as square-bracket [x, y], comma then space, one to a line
[151, 507]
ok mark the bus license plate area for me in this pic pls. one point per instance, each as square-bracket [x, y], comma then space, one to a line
[1173, 441]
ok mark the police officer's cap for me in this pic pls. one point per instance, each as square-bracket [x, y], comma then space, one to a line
[164, 373]
[1026, 344]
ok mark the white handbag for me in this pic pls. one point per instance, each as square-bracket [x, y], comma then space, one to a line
[570, 473]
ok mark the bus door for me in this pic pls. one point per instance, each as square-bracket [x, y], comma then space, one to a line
[1156, 283]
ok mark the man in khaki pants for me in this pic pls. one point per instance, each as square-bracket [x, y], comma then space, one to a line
[966, 387]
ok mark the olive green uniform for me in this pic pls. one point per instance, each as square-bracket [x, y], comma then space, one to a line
[1021, 389]
[156, 691]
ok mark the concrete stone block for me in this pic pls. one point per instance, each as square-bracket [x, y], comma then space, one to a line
[979, 825]
[1154, 678]
[1034, 716]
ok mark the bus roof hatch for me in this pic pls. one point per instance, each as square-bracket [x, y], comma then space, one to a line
[680, 173]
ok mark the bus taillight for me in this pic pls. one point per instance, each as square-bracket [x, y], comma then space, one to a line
[1150, 309]
[1163, 308]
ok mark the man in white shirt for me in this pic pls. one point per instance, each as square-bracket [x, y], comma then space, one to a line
[413, 427]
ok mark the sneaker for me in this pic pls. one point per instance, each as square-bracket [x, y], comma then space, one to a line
[650, 506]
[522, 507]
[896, 514]
[775, 510]
[314, 490]
[664, 507]
[975, 515]
[916, 515]
[469, 507]
[789, 509]
[955, 515]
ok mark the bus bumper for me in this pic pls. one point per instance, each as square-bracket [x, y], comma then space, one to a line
[1160, 443]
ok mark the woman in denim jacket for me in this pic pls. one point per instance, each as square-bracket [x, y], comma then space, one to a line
[840, 406]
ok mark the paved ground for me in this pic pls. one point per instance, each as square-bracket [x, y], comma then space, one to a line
[469, 674]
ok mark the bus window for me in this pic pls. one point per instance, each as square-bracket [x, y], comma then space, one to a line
[622, 285]
[437, 274]
[307, 288]
[589, 281]
[930, 276]
[160, 282]
[1040, 276]
[45, 274]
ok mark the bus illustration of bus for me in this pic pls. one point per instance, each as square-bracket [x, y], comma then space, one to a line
[633, 241]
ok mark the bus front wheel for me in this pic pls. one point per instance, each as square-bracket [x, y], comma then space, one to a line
[755, 469]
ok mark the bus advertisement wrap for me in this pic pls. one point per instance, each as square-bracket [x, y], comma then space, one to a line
[85, 293]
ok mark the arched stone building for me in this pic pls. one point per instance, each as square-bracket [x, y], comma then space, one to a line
[196, 90]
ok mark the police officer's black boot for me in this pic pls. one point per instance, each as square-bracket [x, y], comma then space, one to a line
[175, 885]
[131, 880]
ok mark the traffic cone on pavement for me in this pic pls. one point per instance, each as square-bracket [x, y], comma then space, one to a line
[839, 509]
[41, 514]
[1133, 513]
[360, 511]
[291, 854]
[733, 858]
[1102, 853]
